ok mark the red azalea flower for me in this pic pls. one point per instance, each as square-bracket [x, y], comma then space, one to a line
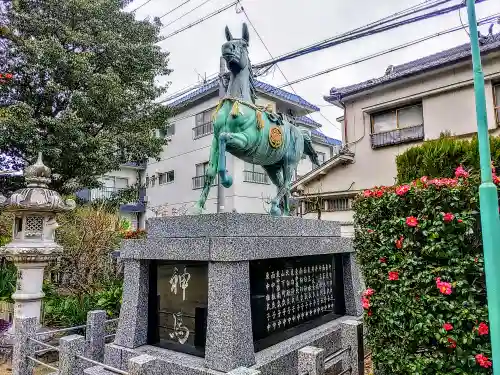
[368, 292]
[483, 329]
[370, 230]
[424, 179]
[452, 343]
[402, 190]
[411, 221]
[483, 361]
[378, 193]
[448, 217]
[460, 221]
[8, 75]
[366, 303]
[496, 179]
[367, 193]
[447, 326]
[399, 243]
[383, 260]
[393, 275]
[460, 172]
[370, 313]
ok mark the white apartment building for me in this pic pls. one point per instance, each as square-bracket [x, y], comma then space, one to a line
[174, 182]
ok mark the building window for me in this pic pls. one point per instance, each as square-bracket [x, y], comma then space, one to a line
[321, 157]
[400, 125]
[339, 204]
[166, 177]
[255, 173]
[496, 96]
[199, 178]
[110, 186]
[168, 131]
[203, 124]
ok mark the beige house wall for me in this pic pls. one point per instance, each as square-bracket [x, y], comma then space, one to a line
[447, 97]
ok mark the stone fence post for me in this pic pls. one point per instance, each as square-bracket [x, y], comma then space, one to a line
[95, 335]
[142, 365]
[352, 336]
[69, 347]
[25, 329]
[311, 361]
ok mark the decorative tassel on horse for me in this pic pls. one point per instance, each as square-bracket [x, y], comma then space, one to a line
[260, 120]
[217, 109]
[235, 111]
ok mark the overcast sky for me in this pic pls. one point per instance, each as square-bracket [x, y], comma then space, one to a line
[286, 25]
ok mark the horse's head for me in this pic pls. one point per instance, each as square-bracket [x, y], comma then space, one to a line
[235, 51]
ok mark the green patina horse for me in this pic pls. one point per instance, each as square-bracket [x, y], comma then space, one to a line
[252, 133]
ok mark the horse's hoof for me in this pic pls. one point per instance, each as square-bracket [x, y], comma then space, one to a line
[227, 182]
[275, 210]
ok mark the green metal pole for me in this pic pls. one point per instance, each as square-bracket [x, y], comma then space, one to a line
[488, 197]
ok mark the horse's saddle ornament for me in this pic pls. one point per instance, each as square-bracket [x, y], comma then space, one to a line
[275, 137]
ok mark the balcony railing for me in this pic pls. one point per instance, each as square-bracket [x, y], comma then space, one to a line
[397, 136]
[199, 181]
[104, 193]
[256, 177]
[136, 199]
[203, 130]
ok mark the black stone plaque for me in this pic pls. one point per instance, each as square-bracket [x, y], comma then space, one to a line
[178, 306]
[292, 295]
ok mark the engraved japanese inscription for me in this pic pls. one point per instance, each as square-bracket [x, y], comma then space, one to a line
[181, 304]
[289, 295]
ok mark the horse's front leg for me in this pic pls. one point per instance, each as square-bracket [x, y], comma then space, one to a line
[235, 141]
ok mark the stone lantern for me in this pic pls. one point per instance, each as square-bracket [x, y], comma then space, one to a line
[33, 244]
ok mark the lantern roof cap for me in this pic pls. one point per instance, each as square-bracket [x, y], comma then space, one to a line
[36, 196]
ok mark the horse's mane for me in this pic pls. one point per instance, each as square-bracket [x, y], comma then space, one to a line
[253, 89]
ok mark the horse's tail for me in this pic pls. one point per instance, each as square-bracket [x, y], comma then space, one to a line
[308, 148]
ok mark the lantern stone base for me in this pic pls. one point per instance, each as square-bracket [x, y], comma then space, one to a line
[230, 256]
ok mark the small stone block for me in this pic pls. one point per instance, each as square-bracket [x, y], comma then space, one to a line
[94, 335]
[244, 371]
[141, 365]
[69, 347]
[352, 285]
[311, 361]
[97, 370]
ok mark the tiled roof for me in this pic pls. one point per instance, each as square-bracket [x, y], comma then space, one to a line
[435, 61]
[327, 139]
[264, 88]
[308, 121]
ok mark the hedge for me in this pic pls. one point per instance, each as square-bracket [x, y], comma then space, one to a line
[419, 247]
[441, 156]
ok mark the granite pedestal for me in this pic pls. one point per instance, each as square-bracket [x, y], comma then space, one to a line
[227, 243]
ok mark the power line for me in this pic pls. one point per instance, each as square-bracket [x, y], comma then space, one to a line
[140, 6]
[338, 39]
[174, 9]
[384, 52]
[271, 55]
[184, 15]
[365, 31]
[208, 16]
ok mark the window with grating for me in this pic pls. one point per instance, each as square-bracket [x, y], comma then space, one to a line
[34, 226]
[339, 204]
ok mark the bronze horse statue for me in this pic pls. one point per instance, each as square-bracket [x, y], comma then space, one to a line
[253, 133]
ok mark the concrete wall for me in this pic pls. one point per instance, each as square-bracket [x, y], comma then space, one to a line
[447, 98]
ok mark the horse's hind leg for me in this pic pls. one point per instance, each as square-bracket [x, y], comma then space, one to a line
[288, 170]
[274, 173]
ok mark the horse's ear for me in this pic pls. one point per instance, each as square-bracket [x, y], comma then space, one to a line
[246, 34]
[229, 37]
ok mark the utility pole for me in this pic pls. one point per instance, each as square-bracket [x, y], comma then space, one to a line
[222, 93]
[488, 196]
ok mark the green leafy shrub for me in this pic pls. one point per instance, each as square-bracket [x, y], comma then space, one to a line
[60, 310]
[440, 157]
[8, 276]
[419, 247]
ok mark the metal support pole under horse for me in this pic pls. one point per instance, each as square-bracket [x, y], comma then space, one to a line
[222, 93]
